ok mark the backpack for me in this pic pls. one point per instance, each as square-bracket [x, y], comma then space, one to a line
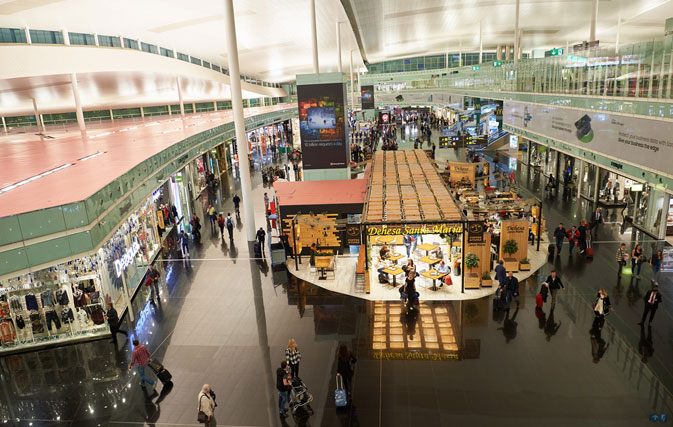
[229, 223]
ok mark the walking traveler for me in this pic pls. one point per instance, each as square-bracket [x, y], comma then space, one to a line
[511, 287]
[573, 235]
[283, 386]
[212, 216]
[582, 236]
[500, 275]
[266, 202]
[113, 321]
[261, 236]
[293, 357]
[652, 300]
[230, 226]
[637, 258]
[345, 365]
[237, 202]
[406, 240]
[195, 223]
[206, 401]
[409, 289]
[141, 357]
[220, 223]
[560, 235]
[655, 262]
[184, 244]
[601, 309]
[153, 282]
[621, 258]
[554, 283]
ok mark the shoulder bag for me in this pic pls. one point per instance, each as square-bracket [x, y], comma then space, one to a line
[201, 416]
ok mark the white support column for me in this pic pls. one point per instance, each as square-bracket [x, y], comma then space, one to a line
[4, 125]
[193, 107]
[239, 122]
[519, 53]
[338, 37]
[481, 44]
[498, 53]
[170, 113]
[182, 104]
[352, 85]
[28, 38]
[516, 31]
[215, 105]
[78, 103]
[142, 112]
[594, 15]
[460, 53]
[446, 60]
[66, 38]
[112, 116]
[40, 125]
[314, 38]
[619, 31]
[95, 40]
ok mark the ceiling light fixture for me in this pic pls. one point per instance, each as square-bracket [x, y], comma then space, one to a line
[92, 156]
[33, 178]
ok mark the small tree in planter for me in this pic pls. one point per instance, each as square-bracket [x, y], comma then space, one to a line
[486, 279]
[471, 262]
[510, 248]
[524, 265]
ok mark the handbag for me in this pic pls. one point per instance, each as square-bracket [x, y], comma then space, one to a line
[201, 416]
[641, 258]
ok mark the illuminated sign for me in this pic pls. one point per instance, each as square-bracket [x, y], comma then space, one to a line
[403, 230]
[128, 257]
[475, 68]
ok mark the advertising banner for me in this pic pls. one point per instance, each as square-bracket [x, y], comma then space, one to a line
[424, 98]
[646, 142]
[367, 96]
[322, 124]
[516, 230]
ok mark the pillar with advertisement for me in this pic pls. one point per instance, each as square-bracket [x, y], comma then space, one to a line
[323, 126]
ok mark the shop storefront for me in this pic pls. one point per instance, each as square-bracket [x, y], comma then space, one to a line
[60, 304]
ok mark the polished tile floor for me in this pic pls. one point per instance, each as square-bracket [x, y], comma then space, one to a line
[224, 319]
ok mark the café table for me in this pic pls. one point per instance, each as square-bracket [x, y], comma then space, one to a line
[434, 275]
[322, 264]
[394, 272]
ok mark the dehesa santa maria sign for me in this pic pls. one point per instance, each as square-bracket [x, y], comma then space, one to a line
[122, 263]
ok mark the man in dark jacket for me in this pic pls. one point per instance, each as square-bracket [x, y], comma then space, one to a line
[500, 274]
[582, 239]
[113, 321]
[283, 385]
[511, 286]
[554, 283]
[560, 235]
[652, 300]
[261, 236]
[596, 220]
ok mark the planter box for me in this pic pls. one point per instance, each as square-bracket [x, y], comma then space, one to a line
[471, 281]
[486, 283]
[524, 267]
[511, 264]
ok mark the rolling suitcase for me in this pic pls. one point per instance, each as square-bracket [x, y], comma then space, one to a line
[589, 252]
[161, 372]
[340, 394]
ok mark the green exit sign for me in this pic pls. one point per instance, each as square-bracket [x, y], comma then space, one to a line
[556, 52]
[497, 63]
[475, 68]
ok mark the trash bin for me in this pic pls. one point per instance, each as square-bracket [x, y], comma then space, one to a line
[278, 254]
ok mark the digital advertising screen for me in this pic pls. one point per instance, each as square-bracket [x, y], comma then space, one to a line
[367, 94]
[322, 125]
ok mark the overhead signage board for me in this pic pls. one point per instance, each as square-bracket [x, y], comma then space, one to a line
[444, 142]
[322, 124]
[122, 263]
[367, 97]
[646, 142]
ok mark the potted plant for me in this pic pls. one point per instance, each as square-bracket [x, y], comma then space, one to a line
[471, 279]
[486, 279]
[524, 265]
[510, 248]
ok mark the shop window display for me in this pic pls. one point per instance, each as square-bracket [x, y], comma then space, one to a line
[58, 304]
